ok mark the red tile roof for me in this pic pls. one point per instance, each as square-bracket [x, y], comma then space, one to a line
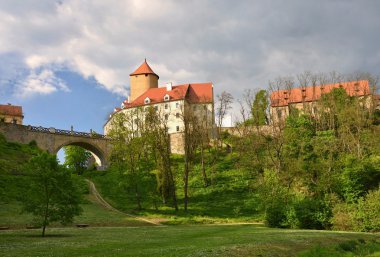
[143, 69]
[313, 93]
[11, 110]
[194, 93]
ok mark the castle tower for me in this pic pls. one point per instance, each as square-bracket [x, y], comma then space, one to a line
[142, 79]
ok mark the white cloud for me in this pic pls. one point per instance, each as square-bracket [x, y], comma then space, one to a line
[40, 83]
[236, 45]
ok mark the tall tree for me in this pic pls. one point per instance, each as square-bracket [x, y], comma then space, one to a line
[76, 158]
[192, 139]
[223, 105]
[259, 108]
[130, 155]
[156, 128]
[52, 195]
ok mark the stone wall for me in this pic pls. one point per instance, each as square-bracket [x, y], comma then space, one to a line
[177, 143]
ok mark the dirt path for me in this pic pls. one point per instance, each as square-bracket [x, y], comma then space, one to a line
[100, 200]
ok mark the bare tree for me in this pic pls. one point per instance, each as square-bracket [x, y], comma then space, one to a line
[224, 104]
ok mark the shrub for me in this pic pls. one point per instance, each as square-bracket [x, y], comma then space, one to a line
[361, 216]
[343, 218]
[367, 217]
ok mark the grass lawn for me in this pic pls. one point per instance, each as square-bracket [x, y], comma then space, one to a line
[197, 240]
[93, 214]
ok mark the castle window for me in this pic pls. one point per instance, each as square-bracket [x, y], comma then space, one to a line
[177, 115]
[146, 75]
[14, 121]
[177, 105]
[166, 97]
[147, 100]
[279, 114]
[177, 128]
[166, 116]
[156, 108]
[166, 106]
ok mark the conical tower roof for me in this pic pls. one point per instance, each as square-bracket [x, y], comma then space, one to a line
[143, 69]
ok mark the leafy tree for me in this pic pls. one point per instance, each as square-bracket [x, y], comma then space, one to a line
[52, 195]
[131, 155]
[259, 108]
[76, 158]
[156, 133]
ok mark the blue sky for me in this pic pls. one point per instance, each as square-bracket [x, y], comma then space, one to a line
[67, 62]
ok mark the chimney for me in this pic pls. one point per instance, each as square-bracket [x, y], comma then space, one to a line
[169, 86]
[128, 99]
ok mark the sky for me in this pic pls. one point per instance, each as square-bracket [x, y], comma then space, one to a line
[67, 62]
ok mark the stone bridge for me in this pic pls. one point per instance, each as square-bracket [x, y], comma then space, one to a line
[53, 140]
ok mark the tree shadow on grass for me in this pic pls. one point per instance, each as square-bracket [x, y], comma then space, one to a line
[49, 236]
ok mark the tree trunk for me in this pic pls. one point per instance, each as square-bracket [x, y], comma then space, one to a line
[138, 200]
[45, 219]
[204, 175]
[185, 188]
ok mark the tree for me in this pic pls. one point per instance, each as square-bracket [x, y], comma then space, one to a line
[224, 102]
[76, 158]
[259, 108]
[156, 129]
[192, 139]
[130, 154]
[52, 195]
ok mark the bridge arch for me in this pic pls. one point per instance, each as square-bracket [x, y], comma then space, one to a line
[52, 140]
[95, 151]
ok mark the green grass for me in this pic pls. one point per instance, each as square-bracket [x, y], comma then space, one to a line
[229, 198]
[93, 214]
[349, 248]
[212, 240]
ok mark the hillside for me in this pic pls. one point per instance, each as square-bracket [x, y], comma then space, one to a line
[13, 182]
[228, 197]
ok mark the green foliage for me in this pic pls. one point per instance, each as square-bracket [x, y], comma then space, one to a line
[368, 212]
[259, 108]
[359, 176]
[76, 158]
[311, 213]
[276, 199]
[51, 195]
[358, 247]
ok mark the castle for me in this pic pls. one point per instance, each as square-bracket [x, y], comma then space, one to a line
[305, 99]
[169, 101]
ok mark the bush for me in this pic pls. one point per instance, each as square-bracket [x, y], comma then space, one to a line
[312, 213]
[343, 218]
[368, 212]
[361, 216]
[275, 215]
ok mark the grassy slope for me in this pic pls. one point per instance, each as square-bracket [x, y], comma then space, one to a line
[214, 240]
[228, 199]
[13, 183]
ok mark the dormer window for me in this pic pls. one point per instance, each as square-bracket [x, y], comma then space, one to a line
[166, 97]
[147, 100]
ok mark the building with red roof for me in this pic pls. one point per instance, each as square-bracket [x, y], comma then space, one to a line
[169, 100]
[303, 98]
[11, 114]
